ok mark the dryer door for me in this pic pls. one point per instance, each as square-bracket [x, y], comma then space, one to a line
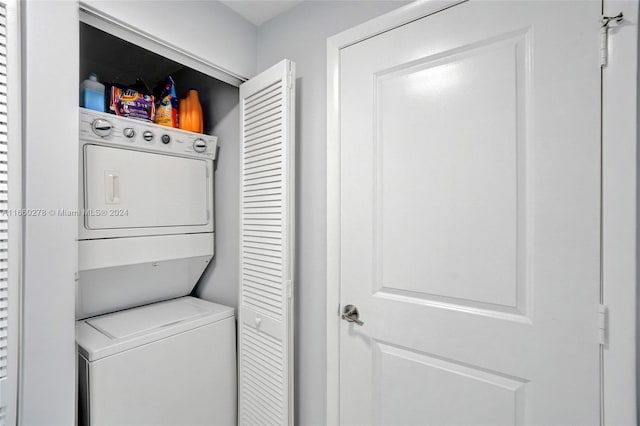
[127, 189]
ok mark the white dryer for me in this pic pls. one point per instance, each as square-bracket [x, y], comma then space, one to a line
[146, 228]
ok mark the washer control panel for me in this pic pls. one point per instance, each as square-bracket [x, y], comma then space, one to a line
[114, 130]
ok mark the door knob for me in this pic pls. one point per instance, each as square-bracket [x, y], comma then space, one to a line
[350, 314]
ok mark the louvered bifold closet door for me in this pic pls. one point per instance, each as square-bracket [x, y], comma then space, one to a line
[4, 198]
[265, 329]
[10, 203]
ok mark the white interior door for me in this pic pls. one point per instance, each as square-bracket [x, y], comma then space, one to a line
[122, 185]
[265, 314]
[470, 214]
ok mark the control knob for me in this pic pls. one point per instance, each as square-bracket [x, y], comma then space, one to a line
[129, 132]
[101, 127]
[165, 139]
[200, 145]
[147, 135]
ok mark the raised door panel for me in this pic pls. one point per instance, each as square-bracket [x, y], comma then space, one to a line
[449, 221]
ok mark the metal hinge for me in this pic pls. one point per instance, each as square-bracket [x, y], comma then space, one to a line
[603, 325]
[289, 285]
[604, 36]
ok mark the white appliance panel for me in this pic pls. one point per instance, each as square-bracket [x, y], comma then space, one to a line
[110, 334]
[152, 375]
[103, 290]
[132, 189]
[145, 319]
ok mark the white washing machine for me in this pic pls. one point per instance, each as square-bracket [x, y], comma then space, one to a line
[169, 363]
[147, 354]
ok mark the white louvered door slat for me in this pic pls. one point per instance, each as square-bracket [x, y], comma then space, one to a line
[4, 224]
[265, 329]
[9, 107]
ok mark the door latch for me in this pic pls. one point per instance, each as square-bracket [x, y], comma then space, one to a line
[351, 314]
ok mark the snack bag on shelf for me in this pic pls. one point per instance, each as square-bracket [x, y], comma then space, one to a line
[167, 104]
[128, 102]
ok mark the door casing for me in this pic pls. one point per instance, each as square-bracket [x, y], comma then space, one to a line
[620, 200]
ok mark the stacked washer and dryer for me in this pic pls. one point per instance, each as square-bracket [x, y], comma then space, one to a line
[148, 353]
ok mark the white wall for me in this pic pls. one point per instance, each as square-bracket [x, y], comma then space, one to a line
[300, 34]
[207, 29]
[219, 283]
[50, 144]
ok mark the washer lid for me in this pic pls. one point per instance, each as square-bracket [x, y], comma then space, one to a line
[133, 322]
[108, 334]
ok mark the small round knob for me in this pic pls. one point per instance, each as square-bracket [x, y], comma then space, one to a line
[147, 135]
[129, 132]
[200, 145]
[165, 139]
[101, 127]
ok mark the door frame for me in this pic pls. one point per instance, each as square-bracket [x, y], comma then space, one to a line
[620, 202]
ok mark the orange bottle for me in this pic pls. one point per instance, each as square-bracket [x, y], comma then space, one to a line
[185, 117]
[191, 113]
[198, 122]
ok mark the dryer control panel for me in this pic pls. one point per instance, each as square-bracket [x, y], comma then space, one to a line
[136, 134]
